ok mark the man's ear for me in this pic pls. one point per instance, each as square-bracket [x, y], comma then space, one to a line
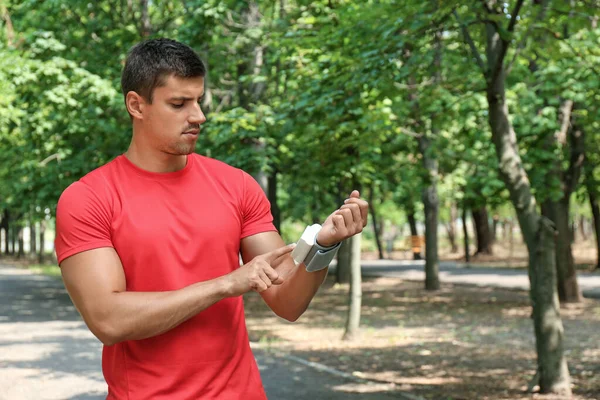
[135, 104]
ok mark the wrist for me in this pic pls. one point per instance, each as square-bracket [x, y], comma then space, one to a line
[324, 243]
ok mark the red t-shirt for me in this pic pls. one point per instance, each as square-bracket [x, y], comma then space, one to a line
[171, 230]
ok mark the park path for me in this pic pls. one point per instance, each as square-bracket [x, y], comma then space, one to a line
[47, 353]
[460, 273]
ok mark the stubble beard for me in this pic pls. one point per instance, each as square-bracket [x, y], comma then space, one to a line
[181, 149]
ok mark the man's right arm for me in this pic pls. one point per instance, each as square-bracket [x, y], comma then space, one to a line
[95, 281]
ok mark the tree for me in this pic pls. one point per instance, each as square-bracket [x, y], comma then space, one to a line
[537, 230]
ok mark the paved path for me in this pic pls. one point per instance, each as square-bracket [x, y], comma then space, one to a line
[47, 353]
[589, 282]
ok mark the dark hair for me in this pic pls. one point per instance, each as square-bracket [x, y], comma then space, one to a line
[151, 62]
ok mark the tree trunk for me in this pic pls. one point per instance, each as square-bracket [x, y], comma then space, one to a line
[431, 203]
[13, 239]
[451, 228]
[430, 194]
[376, 226]
[42, 242]
[20, 239]
[553, 372]
[146, 29]
[344, 260]
[582, 228]
[495, 221]
[466, 232]
[568, 289]
[595, 213]
[355, 299]
[272, 195]
[31, 237]
[482, 230]
[537, 230]
[412, 223]
[5, 225]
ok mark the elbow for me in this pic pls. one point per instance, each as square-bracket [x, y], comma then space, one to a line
[107, 332]
[291, 315]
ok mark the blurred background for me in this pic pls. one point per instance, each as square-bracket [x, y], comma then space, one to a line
[472, 130]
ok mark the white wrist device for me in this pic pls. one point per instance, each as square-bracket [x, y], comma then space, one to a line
[314, 256]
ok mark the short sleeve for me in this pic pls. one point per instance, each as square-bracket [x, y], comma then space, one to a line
[256, 209]
[83, 222]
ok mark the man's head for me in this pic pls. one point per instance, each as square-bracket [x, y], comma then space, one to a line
[163, 84]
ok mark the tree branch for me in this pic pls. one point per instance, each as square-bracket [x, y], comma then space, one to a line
[561, 135]
[506, 43]
[471, 44]
[521, 44]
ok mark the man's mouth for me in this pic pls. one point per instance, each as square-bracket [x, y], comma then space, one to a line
[192, 132]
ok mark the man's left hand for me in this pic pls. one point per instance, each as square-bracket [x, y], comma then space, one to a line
[347, 221]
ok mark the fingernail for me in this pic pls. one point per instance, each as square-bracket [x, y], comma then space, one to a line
[345, 201]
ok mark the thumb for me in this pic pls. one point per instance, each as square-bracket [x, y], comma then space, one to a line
[355, 194]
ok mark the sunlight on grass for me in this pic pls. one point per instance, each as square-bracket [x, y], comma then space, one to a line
[50, 270]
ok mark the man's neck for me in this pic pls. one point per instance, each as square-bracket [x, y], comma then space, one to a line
[155, 161]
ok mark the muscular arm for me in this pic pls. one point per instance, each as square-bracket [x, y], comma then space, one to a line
[96, 283]
[290, 299]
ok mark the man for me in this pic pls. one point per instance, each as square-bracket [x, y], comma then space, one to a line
[149, 246]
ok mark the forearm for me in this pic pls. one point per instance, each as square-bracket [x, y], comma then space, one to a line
[293, 297]
[140, 315]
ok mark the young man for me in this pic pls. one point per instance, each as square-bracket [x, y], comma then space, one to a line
[149, 246]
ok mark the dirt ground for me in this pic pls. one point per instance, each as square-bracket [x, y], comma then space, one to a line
[462, 342]
[504, 255]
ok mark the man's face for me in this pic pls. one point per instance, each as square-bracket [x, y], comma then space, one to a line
[172, 122]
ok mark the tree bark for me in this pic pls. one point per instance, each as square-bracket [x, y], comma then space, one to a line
[42, 242]
[272, 195]
[451, 228]
[32, 240]
[21, 241]
[466, 232]
[146, 28]
[537, 230]
[553, 372]
[567, 286]
[482, 230]
[582, 228]
[344, 260]
[376, 225]
[412, 222]
[355, 298]
[595, 212]
[5, 225]
[495, 222]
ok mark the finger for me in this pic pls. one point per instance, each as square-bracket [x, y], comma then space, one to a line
[339, 224]
[259, 286]
[271, 274]
[279, 260]
[348, 221]
[273, 255]
[364, 208]
[355, 194]
[263, 277]
[356, 214]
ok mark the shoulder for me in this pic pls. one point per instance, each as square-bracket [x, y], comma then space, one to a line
[94, 187]
[216, 166]
[222, 171]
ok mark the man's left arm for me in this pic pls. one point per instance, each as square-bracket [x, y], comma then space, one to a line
[290, 299]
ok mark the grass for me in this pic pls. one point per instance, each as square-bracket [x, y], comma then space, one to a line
[45, 269]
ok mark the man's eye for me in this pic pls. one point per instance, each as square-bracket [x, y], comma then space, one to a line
[177, 105]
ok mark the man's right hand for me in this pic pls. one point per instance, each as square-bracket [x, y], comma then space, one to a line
[258, 274]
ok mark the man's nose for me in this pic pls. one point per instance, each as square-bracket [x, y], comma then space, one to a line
[197, 116]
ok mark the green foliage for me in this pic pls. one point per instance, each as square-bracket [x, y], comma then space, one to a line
[326, 95]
